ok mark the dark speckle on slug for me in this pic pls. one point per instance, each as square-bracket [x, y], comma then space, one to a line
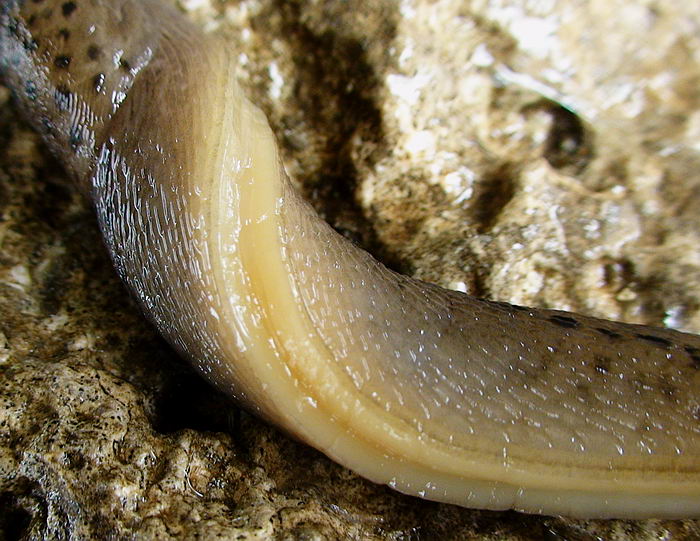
[62, 61]
[609, 333]
[564, 321]
[658, 340]
[68, 8]
[93, 52]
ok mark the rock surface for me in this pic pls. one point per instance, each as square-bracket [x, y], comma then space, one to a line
[542, 153]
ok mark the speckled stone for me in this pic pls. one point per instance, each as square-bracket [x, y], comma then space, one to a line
[542, 153]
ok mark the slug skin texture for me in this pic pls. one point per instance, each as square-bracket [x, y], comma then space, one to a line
[433, 392]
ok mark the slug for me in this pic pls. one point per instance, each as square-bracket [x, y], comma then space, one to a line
[435, 393]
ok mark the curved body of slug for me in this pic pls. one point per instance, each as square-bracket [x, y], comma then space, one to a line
[431, 391]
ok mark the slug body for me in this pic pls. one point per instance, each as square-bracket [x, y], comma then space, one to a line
[431, 391]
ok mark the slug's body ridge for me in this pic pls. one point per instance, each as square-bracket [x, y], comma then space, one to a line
[431, 391]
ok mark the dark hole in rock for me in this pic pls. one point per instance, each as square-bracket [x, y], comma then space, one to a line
[15, 520]
[568, 145]
[494, 192]
[187, 401]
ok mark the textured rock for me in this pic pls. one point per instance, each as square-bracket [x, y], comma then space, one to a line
[538, 153]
